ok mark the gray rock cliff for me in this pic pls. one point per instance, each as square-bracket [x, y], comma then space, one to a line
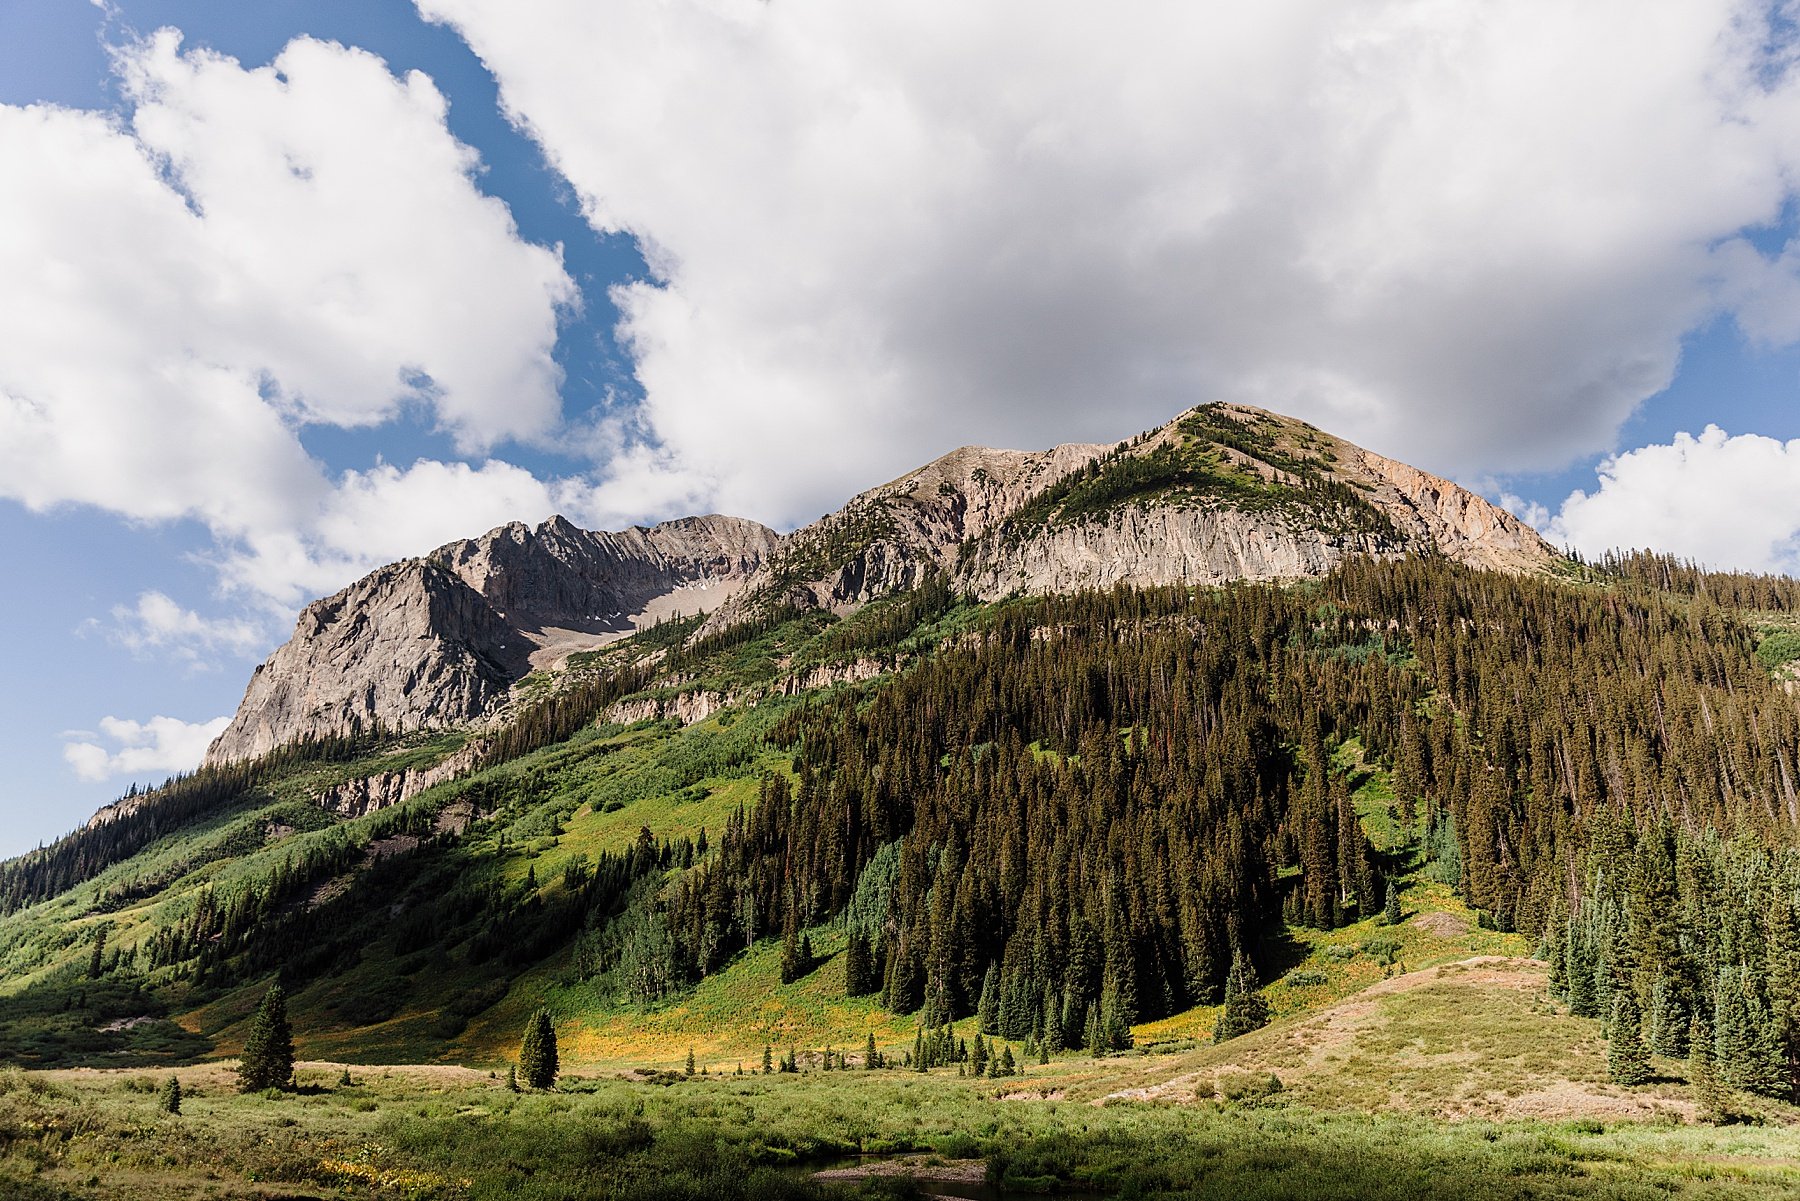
[439, 640]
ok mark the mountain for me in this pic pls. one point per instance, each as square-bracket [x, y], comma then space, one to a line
[440, 640]
[1223, 492]
[890, 785]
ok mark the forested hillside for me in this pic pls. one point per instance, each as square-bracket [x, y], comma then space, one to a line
[1067, 815]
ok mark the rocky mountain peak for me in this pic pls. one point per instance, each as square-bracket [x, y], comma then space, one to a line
[1222, 492]
[440, 640]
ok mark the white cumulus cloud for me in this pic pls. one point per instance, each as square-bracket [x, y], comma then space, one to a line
[247, 252]
[1722, 501]
[1472, 235]
[159, 747]
[155, 622]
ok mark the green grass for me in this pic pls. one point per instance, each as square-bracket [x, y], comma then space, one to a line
[458, 1134]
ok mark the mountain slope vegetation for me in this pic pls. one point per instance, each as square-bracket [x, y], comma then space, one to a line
[1055, 820]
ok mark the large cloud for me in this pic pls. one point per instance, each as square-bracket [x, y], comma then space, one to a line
[252, 252]
[1728, 502]
[149, 750]
[1471, 234]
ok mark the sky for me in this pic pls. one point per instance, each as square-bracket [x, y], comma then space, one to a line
[289, 290]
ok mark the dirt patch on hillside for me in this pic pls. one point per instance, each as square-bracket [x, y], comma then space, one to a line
[1443, 925]
[1475, 1038]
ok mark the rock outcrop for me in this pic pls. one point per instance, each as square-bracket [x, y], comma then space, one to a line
[366, 794]
[886, 539]
[1242, 494]
[438, 641]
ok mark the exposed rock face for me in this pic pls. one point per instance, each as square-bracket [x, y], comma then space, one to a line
[1462, 525]
[366, 794]
[1148, 546]
[1174, 537]
[887, 538]
[962, 514]
[438, 641]
[559, 576]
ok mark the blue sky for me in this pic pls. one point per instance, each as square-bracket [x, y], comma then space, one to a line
[299, 288]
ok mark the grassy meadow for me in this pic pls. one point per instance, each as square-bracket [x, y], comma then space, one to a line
[455, 1133]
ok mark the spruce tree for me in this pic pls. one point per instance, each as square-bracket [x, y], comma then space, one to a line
[1669, 1021]
[859, 967]
[1579, 969]
[268, 1060]
[869, 1055]
[169, 1098]
[1703, 1077]
[538, 1065]
[1627, 1060]
[769, 1058]
[1244, 1009]
[790, 954]
[1390, 913]
[988, 1010]
[690, 1061]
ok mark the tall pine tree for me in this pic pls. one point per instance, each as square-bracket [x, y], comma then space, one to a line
[1627, 1059]
[538, 1064]
[1244, 1010]
[268, 1060]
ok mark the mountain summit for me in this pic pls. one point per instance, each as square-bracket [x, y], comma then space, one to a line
[440, 640]
[1223, 492]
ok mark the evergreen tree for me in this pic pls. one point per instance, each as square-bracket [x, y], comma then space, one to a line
[1390, 912]
[988, 1010]
[790, 954]
[690, 1061]
[1627, 1060]
[168, 1099]
[96, 961]
[268, 1060]
[859, 966]
[1783, 985]
[869, 1053]
[1703, 1078]
[1579, 972]
[1244, 1010]
[512, 1078]
[1669, 1020]
[538, 1064]
[769, 1058]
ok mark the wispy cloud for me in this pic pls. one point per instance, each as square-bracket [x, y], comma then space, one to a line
[157, 624]
[159, 747]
